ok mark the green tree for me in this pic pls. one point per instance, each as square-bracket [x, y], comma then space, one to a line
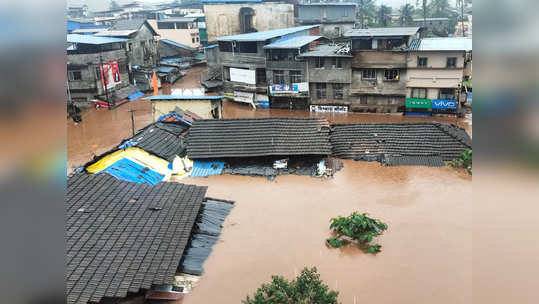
[366, 10]
[357, 227]
[384, 15]
[307, 288]
[114, 5]
[440, 9]
[406, 15]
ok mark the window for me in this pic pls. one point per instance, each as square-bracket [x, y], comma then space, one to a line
[225, 46]
[451, 62]
[422, 61]
[419, 93]
[368, 74]
[447, 93]
[198, 39]
[319, 62]
[338, 91]
[321, 90]
[123, 67]
[337, 62]
[226, 72]
[296, 76]
[98, 72]
[337, 31]
[391, 75]
[278, 77]
[260, 75]
[193, 39]
[74, 75]
[345, 12]
[363, 100]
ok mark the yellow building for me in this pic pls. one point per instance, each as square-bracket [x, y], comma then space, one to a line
[207, 107]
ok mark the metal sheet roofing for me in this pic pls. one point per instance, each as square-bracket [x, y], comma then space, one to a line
[178, 97]
[442, 44]
[382, 31]
[91, 39]
[329, 4]
[204, 168]
[229, 1]
[176, 44]
[122, 237]
[88, 30]
[178, 19]
[431, 19]
[115, 33]
[325, 50]
[292, 42]
[265, 35]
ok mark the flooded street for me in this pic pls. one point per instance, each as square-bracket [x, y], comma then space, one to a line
[278, 227]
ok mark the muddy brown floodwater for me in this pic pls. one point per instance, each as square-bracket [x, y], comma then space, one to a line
[278, 227]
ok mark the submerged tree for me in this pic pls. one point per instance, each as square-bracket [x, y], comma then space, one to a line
[357, 227]
[307, 288]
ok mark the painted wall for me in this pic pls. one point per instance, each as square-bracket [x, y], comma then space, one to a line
[143, 55]
[183, 36]
[436, 75]
[202, 108]
[335, 30]
[326, 13]
[223, 19]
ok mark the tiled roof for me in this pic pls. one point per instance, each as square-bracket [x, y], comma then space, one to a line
[162, 139]
[122, 237]
[364, 141]
[258, 137]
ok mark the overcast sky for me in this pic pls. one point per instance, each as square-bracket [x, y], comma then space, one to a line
[96, 5]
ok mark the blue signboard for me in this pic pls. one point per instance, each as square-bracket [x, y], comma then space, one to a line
[444, 104]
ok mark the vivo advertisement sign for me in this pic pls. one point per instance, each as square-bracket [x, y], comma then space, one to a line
[444, 104]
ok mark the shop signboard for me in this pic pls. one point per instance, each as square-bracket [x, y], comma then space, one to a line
[418, 103]
[243, 75]
[326, 109]
[295, 88]
[243, 97]
[444, 104]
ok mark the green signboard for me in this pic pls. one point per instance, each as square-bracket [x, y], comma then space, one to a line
[418, 103]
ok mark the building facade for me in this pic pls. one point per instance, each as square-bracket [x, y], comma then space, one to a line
[225, 17]
[93, 62]
[183, 30]
[334, 18]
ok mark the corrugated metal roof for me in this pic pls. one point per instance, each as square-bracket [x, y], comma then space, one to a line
[325, 50]
[291, 42]
[204, 168]
[265, 35]
[176, 44]
[329, 4]
[180, 97]
[91, 39]
[442, 44]
[178, 19]
[114, 33]
[431, 19]
[382, 31]
[128, 24]
[88, 30]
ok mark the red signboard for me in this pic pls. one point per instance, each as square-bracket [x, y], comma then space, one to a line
[110, 74]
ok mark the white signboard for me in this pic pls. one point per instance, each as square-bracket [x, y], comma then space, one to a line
[243, 97]
[242, 75]
[325, 109]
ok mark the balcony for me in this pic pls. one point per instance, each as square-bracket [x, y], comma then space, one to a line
[286, 65]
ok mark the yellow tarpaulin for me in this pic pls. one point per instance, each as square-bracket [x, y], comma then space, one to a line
[138, 155]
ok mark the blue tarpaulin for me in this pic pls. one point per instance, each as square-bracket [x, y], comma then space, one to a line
[204, 168]
[175, 116]
[135, 95]
[130, 171]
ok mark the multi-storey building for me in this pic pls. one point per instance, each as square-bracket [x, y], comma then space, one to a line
[436, 69]
[182, 30]
[379, 68]
[334, 18]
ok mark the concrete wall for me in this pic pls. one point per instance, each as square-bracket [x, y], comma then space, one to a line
[143, 56]
[379, 59]
[223, 19]
[84, 90]
[436, 74]
[378, 86]
[335, 30]
[202, 108]
[183, 36]
[326, 13]
[329, 73]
